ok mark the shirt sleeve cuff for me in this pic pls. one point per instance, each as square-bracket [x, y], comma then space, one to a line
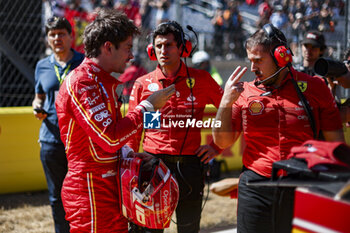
[146, 106]
[218, 149]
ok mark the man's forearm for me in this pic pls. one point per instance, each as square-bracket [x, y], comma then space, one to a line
[223, 137]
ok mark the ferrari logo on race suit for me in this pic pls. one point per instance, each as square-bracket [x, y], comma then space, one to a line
[256, 107]
[302, 85]
[190, 82]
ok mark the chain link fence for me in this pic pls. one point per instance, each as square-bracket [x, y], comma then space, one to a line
[21, 45]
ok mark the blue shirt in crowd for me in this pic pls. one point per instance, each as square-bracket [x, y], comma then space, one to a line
[48, 72]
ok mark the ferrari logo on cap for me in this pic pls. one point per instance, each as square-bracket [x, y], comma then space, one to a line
[302, 85]
[256, 107]
[190, 82]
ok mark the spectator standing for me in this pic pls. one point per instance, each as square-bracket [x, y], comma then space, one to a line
[326, 19]
[235, 31]
[179, 147]
[265, 8]
[278, 18]
[312, 15]
[201, 60]
[219, 29]
[49, 74]
[298, 29]
[92, 127]
[162, 10]
[265, 12]
[313, 47]
[145, 11]
[266, 111]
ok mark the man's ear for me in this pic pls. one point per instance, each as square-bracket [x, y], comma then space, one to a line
[107, 46]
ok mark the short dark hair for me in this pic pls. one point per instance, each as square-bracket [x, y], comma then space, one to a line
[269, 42]
[56, 22]
[170, 27]
[109, 25]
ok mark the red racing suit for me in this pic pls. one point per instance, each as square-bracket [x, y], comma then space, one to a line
[187, 104]
[93, 131]
[275, 122]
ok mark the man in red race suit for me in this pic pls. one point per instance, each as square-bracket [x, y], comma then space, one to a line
[178, 146]
[270, 114]
[92, 128]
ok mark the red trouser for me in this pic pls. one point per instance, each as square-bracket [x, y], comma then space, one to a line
[91, 201]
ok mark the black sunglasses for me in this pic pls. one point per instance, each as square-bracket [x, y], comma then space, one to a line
[53, 19]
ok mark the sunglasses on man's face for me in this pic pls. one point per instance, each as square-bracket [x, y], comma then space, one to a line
[347, 62]
[53, 19]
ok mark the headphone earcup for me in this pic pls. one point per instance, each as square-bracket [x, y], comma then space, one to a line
[282, 56]
[151, 53]
[188, 48]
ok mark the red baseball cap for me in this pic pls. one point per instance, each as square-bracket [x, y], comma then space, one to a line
[322, 155]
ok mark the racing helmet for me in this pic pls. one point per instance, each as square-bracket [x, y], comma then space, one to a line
[149, 193]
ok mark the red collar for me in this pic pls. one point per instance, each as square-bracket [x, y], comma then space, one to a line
[159, 76]
[95, 69]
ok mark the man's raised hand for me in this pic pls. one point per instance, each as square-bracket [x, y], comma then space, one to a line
[233, 87]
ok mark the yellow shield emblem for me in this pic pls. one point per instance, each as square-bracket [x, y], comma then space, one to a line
[190, 82]
[302, 85]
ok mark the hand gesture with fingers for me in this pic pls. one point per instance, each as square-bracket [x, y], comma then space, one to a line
[233, 87]
[159, 98]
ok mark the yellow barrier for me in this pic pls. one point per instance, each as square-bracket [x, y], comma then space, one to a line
[20, 166]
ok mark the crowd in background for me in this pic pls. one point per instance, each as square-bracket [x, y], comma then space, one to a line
[296, 17]
[293, 17]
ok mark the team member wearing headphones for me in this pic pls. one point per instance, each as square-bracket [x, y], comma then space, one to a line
[179, 147]
[271, 116]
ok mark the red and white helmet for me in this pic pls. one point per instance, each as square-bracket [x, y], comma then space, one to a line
[149, 195]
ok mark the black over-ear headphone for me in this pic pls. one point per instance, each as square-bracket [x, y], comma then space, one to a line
[186, 44]
[281, 54]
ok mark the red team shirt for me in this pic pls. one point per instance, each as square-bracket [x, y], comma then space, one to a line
[274, 123]
[169, 140]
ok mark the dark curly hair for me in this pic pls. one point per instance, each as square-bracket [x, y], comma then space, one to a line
[109, 25]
